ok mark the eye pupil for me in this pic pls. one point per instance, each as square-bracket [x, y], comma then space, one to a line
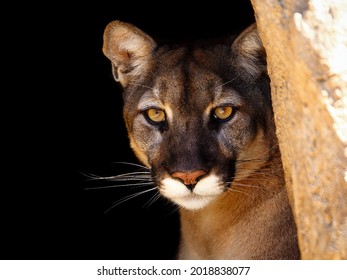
[223, 113]
[155, 115]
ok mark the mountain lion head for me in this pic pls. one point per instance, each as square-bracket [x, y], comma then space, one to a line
[199, 116]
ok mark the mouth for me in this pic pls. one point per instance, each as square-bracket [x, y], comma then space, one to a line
[205, 191]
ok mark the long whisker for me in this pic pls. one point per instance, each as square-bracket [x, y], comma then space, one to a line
[130, 179]
[118, 186]
[132, 175]
[228, 82]
[265, 169]
[154, 198]
[252, 179]
[238, 191]
[243, 185]
[132, 164]
[128, 198]
[176, 208]
[129, 175]
[260, 157]
[240, 161]
[269, 173]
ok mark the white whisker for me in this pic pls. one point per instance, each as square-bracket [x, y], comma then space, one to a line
[259, 157]
[253, 172]
[231, 190]
[128, 198]
[253, 179]
[176, 209]
[154, 198]
[144, 179]
[236, 184]
[128, 176]
[227, 82]
[118, 186]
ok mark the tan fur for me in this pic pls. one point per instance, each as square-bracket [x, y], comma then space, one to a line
[139, 152]
[130, 51]
[251, 46]
[226, 175]
[255, 229]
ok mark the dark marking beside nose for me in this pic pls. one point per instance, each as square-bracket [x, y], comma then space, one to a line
[189, 178]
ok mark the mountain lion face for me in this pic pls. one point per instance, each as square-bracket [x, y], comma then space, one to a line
[199, 117]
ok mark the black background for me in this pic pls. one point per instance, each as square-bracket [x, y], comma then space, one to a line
[70, 122]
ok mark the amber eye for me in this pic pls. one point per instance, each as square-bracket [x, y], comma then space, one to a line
[155, 115]
[223, 113]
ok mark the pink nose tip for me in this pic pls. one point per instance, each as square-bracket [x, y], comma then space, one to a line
[189, 178]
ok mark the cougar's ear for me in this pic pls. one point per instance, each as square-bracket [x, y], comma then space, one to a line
[129, 50]
[249, 53]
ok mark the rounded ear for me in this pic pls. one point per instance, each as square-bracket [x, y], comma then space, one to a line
[129, 50]
[249, 53]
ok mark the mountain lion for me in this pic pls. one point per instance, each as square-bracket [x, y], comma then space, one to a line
[200, 118]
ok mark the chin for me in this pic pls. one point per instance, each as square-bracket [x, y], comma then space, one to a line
[193, 202]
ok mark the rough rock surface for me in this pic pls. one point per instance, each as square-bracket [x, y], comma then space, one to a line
[306, 44]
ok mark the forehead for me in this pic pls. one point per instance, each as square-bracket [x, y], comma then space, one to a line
[186, 75]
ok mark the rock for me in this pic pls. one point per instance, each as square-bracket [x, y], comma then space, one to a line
[306, 45]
